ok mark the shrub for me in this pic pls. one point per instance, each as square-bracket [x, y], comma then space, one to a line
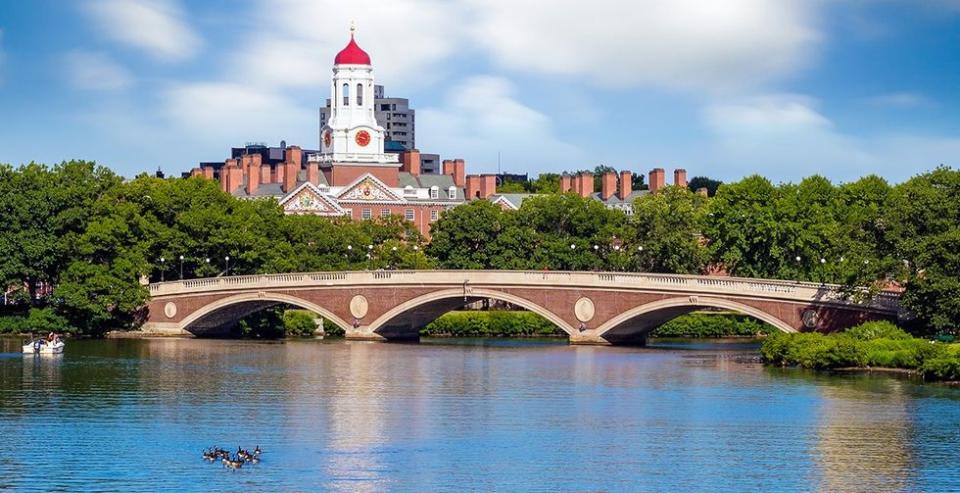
[707, 324]
[883, 329]
[13, 324]
[490, 323]
[299, 323]
[941, 368]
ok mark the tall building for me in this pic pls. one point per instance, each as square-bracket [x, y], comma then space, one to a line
[393, 114]
[357, 172]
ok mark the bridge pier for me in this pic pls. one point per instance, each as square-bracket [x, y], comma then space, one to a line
[591, 339]
[360, 334]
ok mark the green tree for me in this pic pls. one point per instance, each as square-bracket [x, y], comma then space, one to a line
[698, 182]
[922, 220]
[668, 226]
[463, 236]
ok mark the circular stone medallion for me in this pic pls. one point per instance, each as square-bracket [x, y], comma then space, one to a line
[170, 309]
[358, 306]
[810, 318]
[584, 309]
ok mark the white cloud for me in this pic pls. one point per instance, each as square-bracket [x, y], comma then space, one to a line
[405, 38]
[156, 27]
[686, 44]
[785, 136]
[481, 117]
[95, 71]
[223, 114]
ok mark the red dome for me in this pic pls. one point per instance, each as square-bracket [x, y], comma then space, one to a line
[352, 55]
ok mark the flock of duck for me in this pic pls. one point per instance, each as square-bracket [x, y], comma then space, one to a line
[232, 461]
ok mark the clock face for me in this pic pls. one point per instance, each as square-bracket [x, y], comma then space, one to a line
[327, 138]
[363, 138]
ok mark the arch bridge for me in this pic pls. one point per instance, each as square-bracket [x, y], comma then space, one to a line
[591, 307]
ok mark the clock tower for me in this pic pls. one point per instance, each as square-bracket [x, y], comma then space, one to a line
[352, 136]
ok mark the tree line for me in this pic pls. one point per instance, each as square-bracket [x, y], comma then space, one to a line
[77, 239]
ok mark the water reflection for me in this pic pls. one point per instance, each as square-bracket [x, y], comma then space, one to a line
[454, 415]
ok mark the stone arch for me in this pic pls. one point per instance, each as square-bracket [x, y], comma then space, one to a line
[255, 302]
[642, 319]
[439, 302]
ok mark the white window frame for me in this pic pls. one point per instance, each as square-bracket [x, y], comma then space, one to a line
[410, 215]
[452, 193]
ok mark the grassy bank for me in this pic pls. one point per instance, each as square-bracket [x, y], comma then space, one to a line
[869, 345]
[712, 325]
[528, 324]
[496, 323]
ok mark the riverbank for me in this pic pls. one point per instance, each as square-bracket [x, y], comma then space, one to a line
[872, 346]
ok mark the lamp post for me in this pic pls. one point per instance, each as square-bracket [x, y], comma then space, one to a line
[226, 261]
[162, 266]
[181, 267]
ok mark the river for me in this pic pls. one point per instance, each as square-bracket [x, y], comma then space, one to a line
[462, 415]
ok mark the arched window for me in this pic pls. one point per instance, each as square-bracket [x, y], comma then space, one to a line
[359, 94]
[346, 94]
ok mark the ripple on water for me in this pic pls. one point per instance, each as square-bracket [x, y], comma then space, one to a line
[463, 415]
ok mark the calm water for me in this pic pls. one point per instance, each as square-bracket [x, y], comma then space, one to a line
[494, 415]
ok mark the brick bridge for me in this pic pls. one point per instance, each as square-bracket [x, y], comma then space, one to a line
[592, 307]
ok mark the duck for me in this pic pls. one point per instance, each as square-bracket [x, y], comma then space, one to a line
[209, 455]
[231, 463]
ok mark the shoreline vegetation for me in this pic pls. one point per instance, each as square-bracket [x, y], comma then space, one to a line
[869, 346]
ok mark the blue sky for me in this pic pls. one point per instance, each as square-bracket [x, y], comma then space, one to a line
[785, 88]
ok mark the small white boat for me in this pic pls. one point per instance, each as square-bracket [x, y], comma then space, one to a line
[41, 346]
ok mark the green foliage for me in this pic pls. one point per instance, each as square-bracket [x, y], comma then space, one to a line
[708, 324]
[945, 368]
[922, 223]
[491, 324]
[668, 226]
[299, 323]
[880, 329]
[698, 182]
[872, 344]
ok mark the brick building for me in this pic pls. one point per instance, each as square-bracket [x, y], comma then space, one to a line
[355, 172]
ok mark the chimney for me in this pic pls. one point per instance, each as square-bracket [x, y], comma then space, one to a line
[313, 172]
[680, 177]
[196, 172]
[657, 177]
[208, 172]
[291, 168]
[230, 176]
[411, 162]
[473, 187]
[608, 185]
[265, 173]
[457, 169]
[626, 184]
[253, 179]
[566, 183]
[459, 177]
[585, 187]
[488, 186]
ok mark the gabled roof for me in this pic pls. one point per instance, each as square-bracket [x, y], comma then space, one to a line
[308, 198]
[368, 188]
[511, 200]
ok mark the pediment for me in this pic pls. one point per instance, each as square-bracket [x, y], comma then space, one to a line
[368, 188]
[308, 199]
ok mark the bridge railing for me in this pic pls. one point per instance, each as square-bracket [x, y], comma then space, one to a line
[792, 290]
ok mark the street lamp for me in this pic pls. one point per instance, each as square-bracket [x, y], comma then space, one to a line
[596, 247]
[181, 267]
[162, 266]
[349, 247]
[573, 247]
[369, 247]
[226, 271]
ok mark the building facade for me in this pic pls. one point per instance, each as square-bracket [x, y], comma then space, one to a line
[395, 115]
[358, 171]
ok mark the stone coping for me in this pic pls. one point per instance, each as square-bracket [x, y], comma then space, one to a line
[765, 288]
